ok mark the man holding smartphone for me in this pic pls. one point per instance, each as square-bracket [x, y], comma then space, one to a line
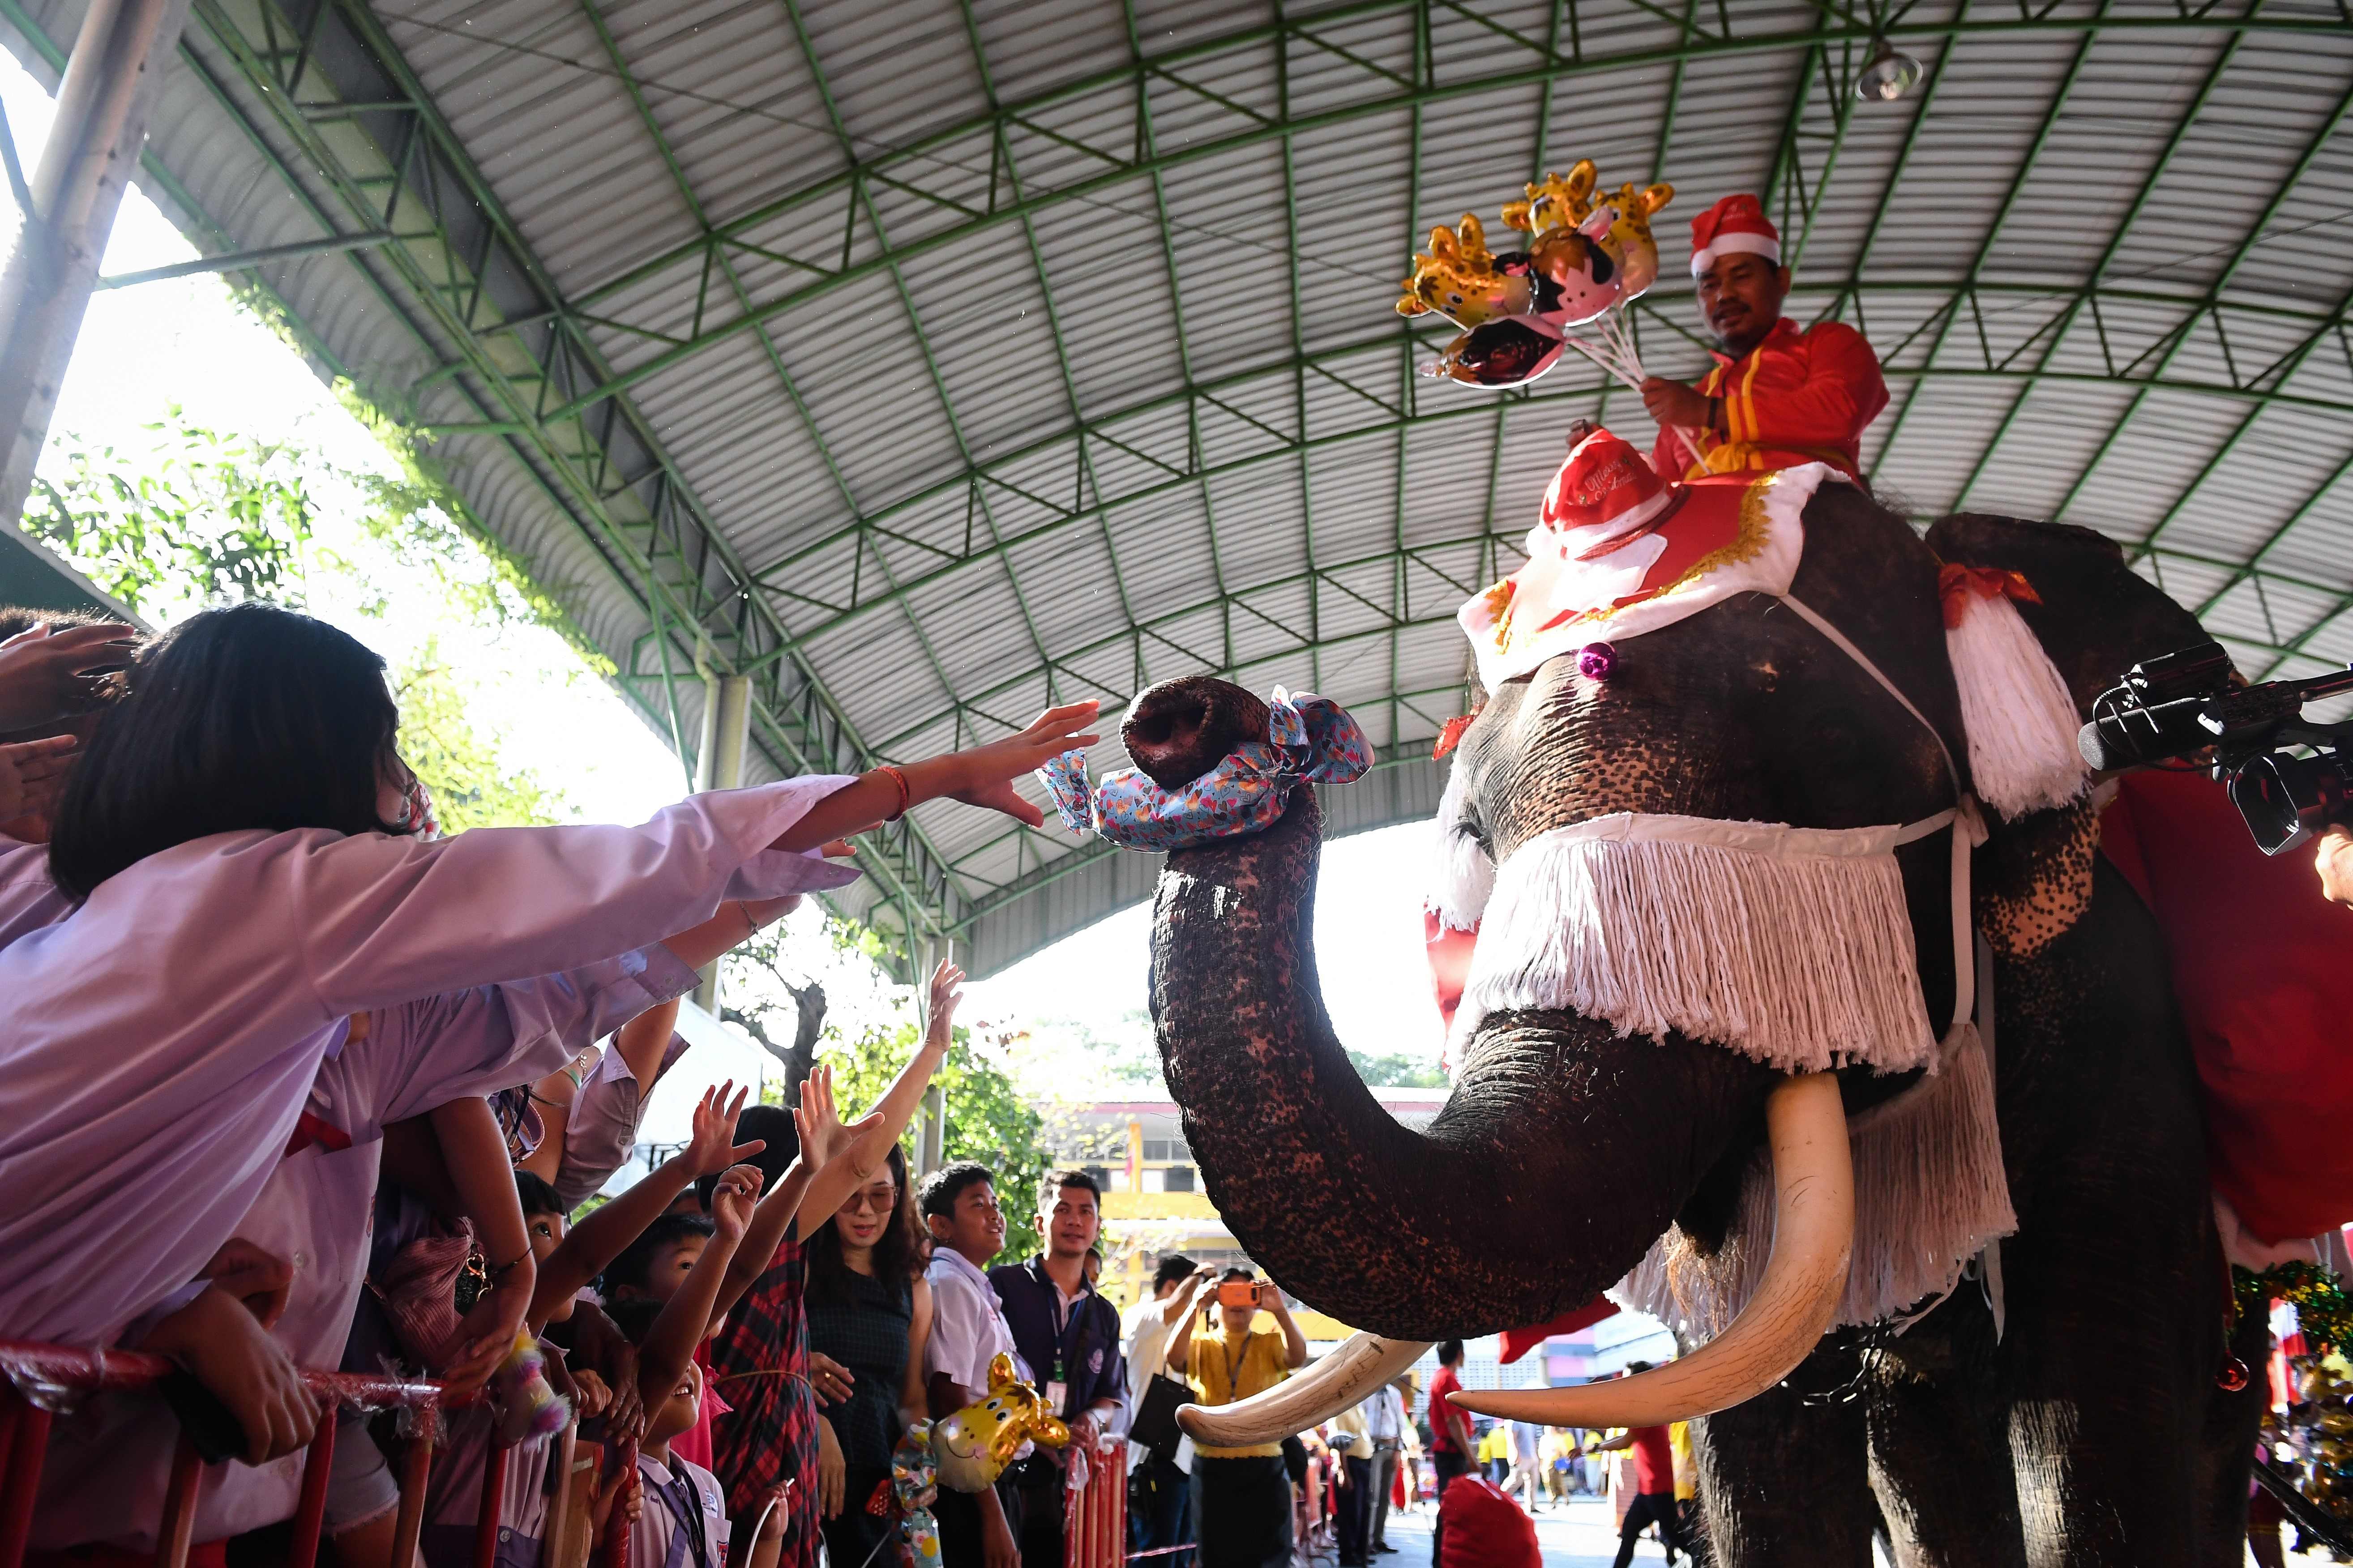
[1245, 1492]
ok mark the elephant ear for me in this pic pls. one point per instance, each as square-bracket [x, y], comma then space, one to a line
[2095, 616]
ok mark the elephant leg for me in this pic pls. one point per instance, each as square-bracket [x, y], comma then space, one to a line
[2116, 1291]
[1940, 1443]
[1782, 1481]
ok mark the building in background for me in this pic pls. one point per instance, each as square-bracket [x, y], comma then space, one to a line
[1154, 1201]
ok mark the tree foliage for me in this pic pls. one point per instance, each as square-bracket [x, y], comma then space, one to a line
[987, 1119]
[470, 787]
[207, 517]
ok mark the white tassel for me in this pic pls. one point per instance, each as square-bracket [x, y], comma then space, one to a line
[1465, 876]
[1791, 946]
[1930, 1193]
[2021, 720]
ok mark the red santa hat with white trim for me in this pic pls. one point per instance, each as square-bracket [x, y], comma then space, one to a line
[1734, 224]
[1604, 490]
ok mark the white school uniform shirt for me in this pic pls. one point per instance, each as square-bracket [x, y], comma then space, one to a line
[656, 1527]
[969, 1327]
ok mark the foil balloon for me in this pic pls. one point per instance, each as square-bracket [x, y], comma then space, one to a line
[1630, 237]
[1462, 280]
[1578, 277]
[972, 1447]
[1506, 352]
[1557, 202]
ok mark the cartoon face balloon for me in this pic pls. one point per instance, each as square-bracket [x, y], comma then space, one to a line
[1579, 278]
[973, 1447]
[1630, 235]
[1462, 280]
[1557, 203]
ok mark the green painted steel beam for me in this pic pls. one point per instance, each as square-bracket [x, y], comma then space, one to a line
[1470, 406]
[2065, 323]
[1122, 171]
[2025, 172]
[661, 542]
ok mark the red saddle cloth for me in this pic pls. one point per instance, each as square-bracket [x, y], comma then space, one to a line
[2262, 966]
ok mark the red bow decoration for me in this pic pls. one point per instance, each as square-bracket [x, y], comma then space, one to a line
[1450, 734]
[1956, 583]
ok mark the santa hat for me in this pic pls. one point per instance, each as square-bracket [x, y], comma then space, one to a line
[1735, 224]
[1604, 492]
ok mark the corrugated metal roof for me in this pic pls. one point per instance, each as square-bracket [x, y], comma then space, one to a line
[929, 360]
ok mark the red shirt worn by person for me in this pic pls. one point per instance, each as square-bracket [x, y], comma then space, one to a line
[2263, 967]
[1799, 397]
[1441, 1428]
[1654, 1460]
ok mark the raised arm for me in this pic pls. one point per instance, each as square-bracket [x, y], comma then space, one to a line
[686, 1316]
[474, 1153]
[600, 1238]
[1180, 1338]
[983, 776]
[1295, 1343]
[823, 1140]
[830, 1189]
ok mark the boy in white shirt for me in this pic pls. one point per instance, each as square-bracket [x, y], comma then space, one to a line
[960, 1209]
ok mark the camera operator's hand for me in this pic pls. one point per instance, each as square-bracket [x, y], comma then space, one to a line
[2333, 860]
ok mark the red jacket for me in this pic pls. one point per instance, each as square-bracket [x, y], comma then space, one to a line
[1796, 397]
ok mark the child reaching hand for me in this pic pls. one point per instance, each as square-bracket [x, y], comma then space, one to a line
[683, 1521]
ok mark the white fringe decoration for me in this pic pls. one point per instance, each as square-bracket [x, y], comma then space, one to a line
[2019, 718]
[1930, 1193]
[1465, 876]
[1789, 945]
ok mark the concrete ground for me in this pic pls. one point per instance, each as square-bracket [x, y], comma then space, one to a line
[1582, 1535]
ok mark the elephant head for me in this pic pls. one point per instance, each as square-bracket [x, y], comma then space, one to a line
[1567, 1147]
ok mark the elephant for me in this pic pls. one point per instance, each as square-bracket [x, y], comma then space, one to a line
[2093, 1422]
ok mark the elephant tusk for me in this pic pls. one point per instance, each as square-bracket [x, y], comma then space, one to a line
[1357, 1366]
[1813, 1235]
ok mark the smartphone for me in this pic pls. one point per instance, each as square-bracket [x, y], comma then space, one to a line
[1238, 1294]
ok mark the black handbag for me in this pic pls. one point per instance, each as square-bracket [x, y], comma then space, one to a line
[1154, 1425]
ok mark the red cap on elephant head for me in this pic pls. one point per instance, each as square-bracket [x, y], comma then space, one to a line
[1735, 224]
[1607, 487]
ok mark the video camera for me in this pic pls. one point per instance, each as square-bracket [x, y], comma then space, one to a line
[2183, 703]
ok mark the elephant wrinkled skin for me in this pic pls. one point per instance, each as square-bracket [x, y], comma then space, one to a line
[2093, 1431]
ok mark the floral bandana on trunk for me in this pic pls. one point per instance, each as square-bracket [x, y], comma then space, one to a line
[1310, 739]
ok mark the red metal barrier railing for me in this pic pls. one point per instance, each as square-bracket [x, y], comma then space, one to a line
[1095, 1520]
[37, 1379]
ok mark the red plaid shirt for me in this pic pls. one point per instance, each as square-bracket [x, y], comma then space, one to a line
[760, 1362]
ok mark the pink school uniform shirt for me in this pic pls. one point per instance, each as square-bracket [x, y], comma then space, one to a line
[29, 899]
[165, 1037]
[108, 1463]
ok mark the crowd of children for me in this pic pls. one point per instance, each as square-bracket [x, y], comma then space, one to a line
[294, 1082]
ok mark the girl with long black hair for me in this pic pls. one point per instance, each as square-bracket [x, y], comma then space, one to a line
[870, 1308]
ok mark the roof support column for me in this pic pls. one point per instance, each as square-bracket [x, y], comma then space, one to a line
[110, 82]
[719, 764]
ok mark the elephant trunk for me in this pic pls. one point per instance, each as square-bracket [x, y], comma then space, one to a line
[1565, 1151]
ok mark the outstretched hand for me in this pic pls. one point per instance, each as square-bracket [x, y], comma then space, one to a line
[825, 1138]
[33, 775]
[990, 770]
[943, 999]
[712, 1147]
[732, 1200]
[50, 673]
